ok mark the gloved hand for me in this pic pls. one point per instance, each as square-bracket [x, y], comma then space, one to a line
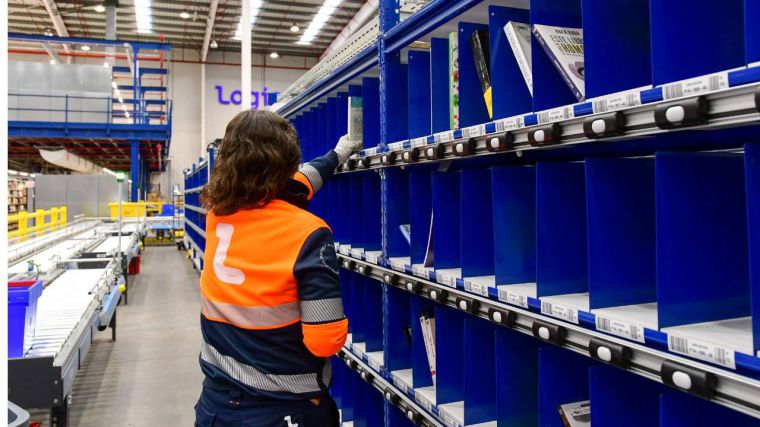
[345, 147]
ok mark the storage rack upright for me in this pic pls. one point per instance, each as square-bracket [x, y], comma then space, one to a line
[195, 215]
[604, 250]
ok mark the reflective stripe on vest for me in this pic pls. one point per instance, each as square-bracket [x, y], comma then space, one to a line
[252, 377]
[251, 317]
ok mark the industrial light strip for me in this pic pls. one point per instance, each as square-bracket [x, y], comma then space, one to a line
[729, 389]
[392, 394]
[255, 9]
[734, 106]
[143, 18]
[319, 21]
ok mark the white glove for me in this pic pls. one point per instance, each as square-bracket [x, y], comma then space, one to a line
[345, 147]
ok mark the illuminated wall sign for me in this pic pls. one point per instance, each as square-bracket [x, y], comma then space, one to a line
[236, 97]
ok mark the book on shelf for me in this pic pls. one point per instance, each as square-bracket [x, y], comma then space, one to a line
[453, 80]
[576, 414]
[406, 232]
[355, 118]
[427, 324]
[481, 54]
[518, 36]
[565, 48]
[429, 253]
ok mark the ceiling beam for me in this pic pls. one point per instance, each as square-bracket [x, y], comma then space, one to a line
[209, 28]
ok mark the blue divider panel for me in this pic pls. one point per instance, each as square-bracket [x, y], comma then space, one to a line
[549, 88]
[480, 380]
[396, 417]
[514, 225]
[472, 105]
[397, 212]
[420, 212]
[373, 313]
[439, 84]
[562, 378]
[561, 239]
[623, 400]
[616, 45]
[621, 231]
[516, 379]
[398, 349]
[397, 128]
[446, 232]
[477, 253]
[341, 118]
[702, 266]
[449, 352]
[419, 93]
[371, 212]
[371, 111]
[421, 376]
[510, 94]
[360, 314]
[752, 30]
[356, 198]
[679, 409]
[375, 407]
[694, 37]
[752, 167]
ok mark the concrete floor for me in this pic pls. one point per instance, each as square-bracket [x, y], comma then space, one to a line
[150, 375]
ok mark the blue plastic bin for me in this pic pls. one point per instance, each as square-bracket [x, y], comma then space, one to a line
[22, 315]
[167, 210]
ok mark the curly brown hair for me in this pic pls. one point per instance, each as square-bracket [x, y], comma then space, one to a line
[260, 152]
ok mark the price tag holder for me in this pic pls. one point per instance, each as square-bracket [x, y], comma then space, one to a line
[420, 271]
[358, 351]
[372, 258]
[702, 350]
[446, 280]
[476, 288]
[448, 420]
[373, 364]
[556, 114]
[620, 328]
[398, 265]
[559, 311]
[398, 382]
[357, 253]
[345, 250]
[696, 86]
[510, 123]
[423, 401]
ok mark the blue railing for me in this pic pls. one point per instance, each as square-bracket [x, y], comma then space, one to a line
[84, 109]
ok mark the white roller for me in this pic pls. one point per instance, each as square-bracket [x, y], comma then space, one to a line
[67, 160]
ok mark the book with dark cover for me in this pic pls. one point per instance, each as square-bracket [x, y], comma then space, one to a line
[565, 48]
[481, 53]
[576, 414]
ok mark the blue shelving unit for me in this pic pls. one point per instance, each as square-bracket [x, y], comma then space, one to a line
[195, 214]
[602, 250]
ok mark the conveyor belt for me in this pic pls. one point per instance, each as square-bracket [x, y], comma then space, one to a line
[63, 250]
[61, 307]
[111, 243]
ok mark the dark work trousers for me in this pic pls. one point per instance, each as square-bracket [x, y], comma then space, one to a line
[230, 408]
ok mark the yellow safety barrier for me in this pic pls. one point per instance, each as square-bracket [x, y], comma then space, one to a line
[56, 220]
[135, 209]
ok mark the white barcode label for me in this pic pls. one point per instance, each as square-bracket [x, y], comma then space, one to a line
[476, 288]
[345, 250]
[357, 350]
[357, 252]
[423, 401]
[559, 311]
[398, 265]
[420, 271]
[396, 146]
[370, 151]
[696, 86]
[398, 382]
[510, 123]
[446, 136]
[448, 420]
[348, 341]
[445, 279]
[473, 131]
[372, 258]
[702, 350]
[555, 115]
[374, 364]
[337, 247]
[620, 328]
[419, 142]
[617, 101]
[513, 298]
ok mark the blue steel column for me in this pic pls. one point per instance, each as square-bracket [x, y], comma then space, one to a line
[134, 171]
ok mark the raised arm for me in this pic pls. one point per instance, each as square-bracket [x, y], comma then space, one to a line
[315, 173]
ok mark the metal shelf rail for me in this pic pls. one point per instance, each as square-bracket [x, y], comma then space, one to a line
[194, 214]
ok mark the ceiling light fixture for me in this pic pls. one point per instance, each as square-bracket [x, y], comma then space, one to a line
[114, 85]
[142, 16]
[106, 64]
[274, 55]
[213, 44]
[184, 15]
[295, 28]
[100, 8]
[52, 62]
[85, 48]
[48, 32]
[255, 8]
[319, 21]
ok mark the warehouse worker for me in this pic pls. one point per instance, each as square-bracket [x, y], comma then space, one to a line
[271, 310]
